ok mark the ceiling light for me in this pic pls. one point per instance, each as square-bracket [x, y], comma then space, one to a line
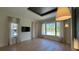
[63, 13]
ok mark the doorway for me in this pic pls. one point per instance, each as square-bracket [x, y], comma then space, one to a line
[13, 30]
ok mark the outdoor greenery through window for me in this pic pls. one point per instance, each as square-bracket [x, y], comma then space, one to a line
[51, 29]
[58, 28]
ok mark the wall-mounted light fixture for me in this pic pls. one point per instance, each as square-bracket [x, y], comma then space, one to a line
[66, 25]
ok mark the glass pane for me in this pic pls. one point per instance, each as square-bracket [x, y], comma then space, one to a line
[50, 29]
[58, 29]
[43, 29]
[14, 28]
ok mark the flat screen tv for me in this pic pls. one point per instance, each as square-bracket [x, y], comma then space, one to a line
[25, 29]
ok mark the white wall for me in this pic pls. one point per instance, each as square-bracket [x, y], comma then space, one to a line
[25, 35]
[4, 28]
[3, 33]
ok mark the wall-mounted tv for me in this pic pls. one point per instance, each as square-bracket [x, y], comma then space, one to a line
[25, 29]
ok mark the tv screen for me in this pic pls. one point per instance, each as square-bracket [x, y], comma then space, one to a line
[25, 29]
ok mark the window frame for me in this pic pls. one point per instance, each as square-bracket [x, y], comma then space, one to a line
[55, 29]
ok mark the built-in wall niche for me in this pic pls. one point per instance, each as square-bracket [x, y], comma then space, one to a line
[25, 29]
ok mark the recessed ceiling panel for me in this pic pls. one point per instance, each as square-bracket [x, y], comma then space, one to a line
[42, 10]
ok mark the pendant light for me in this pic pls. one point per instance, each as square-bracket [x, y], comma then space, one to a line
[63, 13]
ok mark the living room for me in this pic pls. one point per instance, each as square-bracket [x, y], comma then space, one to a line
[35, 27]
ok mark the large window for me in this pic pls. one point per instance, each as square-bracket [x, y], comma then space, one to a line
[43, 29]
[58, 27]
[51, 28]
